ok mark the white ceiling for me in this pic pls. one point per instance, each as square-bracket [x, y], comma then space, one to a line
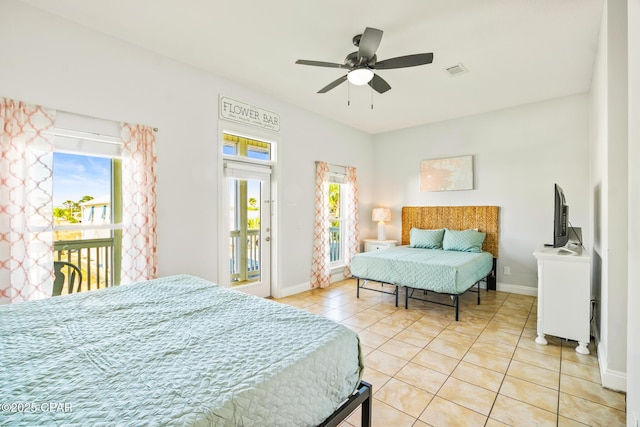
[516, 51]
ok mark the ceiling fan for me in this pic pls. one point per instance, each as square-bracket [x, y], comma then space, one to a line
[363, 63]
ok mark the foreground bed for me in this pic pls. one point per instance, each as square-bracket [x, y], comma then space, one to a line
[446, 249]
[175, 351]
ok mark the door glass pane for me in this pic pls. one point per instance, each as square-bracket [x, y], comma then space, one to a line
[245, 196]
[335, 223]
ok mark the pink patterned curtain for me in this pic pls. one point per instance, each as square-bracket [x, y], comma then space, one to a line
[352, 226]
[139, 222]
[26, 203]
[320, 261]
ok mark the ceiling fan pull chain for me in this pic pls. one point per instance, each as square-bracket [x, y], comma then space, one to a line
[348, 94]
[371, 97]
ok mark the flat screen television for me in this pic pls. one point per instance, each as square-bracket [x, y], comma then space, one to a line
[560, 219]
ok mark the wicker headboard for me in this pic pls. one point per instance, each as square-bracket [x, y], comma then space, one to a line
[483, 218]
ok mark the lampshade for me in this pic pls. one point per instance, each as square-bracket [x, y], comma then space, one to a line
[381, 214]
[360, 76]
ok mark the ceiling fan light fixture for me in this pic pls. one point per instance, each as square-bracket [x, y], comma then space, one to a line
[360, 76]
[363, 64]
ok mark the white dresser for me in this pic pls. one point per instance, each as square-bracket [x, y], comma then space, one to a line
[375, 244]
[564, 294]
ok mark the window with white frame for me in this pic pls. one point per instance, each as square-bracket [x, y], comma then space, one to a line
[87, 205]
[336, 226]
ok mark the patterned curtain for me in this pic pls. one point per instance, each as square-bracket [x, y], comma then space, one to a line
[352, 226]
[139, 222]
[26, 202]
[320, 261]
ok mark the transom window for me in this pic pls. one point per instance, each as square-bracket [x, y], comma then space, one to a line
[235, 145]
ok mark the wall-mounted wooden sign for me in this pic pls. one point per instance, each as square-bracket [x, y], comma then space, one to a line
[237, 111]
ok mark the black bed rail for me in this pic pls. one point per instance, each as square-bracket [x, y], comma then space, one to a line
[382, 291]
[362, 396]
[454, 297]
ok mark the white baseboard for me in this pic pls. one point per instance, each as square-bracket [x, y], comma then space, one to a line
[611, 379]
[292, 290]
[517, 289]
[337, 275]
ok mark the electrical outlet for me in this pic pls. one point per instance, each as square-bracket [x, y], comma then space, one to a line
[506, 270]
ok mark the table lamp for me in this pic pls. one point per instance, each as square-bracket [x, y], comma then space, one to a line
[381, 215]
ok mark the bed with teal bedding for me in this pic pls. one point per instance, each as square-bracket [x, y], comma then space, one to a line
[445, 249]
[449, 272]
[435, 270]
[175, 351]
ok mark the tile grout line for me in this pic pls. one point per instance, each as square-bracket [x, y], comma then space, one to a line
[505, 372]
[559, 383]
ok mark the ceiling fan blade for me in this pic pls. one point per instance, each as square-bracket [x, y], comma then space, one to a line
[333, 84]
[405, 61]
[321, 64]
[379, 84]
[369, 43]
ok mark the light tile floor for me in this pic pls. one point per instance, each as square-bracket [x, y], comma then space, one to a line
[484, 370]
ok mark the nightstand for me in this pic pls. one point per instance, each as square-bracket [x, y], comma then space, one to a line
[375, 244]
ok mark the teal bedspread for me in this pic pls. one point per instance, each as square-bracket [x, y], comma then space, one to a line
[177, 351]
[450, 272]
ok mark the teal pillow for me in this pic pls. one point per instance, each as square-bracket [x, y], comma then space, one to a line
[426, 239]
[463, 241]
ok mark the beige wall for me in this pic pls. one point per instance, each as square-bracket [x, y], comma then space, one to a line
[519, 153]
[609, 196]
[52, 62]
[633, 321]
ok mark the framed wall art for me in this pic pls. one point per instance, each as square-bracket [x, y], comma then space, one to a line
[448, 174]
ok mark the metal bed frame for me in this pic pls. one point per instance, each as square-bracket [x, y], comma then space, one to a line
[454, 297]
[361, 397]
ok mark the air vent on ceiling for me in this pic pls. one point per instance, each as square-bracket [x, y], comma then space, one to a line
[456, 70]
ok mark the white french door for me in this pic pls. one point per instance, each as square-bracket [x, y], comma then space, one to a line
[246, 262]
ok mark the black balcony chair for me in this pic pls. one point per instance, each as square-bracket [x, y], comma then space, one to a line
[73, 276]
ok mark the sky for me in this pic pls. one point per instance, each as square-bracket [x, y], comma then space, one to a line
[75, 176]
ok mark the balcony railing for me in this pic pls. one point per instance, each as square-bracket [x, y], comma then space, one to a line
[244, 266]
[244, 263]
[335, 245]
[94, 257]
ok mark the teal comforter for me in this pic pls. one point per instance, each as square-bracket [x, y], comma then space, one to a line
[436, 270]
[175, 351]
